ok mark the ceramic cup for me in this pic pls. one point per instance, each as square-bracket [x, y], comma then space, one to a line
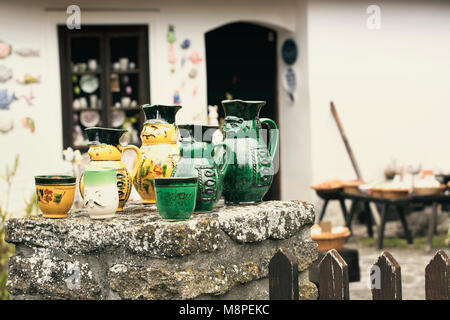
[82, 66]
[116, 66]
[55, 195]
[101, 198]
[132, 65]
[93, 100]
[175, 197]
[83, 102]
[123, 63]
[126, 101]
[92, 64]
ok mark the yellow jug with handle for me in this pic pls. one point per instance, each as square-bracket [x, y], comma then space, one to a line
[105, 150]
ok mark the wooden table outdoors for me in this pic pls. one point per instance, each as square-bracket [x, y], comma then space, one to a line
[363, 200]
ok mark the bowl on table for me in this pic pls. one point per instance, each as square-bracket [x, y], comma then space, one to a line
[394, 193]
[352, 186]
[55, 195]
[329, 240]
[429, 191]
[329, 187]
[175, 197]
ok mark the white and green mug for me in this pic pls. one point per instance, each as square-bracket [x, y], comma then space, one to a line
[101, 198]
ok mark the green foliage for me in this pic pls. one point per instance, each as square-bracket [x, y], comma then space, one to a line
[6, 249]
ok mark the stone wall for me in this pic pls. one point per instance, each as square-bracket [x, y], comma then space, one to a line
[136, 255]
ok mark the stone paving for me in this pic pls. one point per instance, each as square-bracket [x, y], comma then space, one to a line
[412, 262]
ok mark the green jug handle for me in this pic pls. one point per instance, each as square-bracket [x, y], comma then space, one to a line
[224, 166]
[274, 136]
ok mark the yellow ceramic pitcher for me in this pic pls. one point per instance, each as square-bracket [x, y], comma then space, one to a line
[159, 150]
[106, 151]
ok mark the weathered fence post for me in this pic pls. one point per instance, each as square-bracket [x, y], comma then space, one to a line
[333, 277]
[283, 276]
[437, 277]
[390, 280]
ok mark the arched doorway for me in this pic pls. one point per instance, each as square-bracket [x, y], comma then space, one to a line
[241, 63]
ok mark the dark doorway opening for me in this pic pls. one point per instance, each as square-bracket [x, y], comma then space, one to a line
[241, 63]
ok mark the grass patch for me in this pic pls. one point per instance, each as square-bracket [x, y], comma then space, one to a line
[419, 242]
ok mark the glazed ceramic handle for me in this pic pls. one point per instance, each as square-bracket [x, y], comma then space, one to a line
[273, 136]
[138, 159]
[228, 155]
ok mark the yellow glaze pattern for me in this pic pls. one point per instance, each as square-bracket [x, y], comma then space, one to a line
[55, 200]
[105, 155]
[160, 154]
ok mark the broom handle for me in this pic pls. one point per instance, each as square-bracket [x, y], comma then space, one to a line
[346, 143]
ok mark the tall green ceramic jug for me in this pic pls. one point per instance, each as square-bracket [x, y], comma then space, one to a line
[198, 159]
[251, 168]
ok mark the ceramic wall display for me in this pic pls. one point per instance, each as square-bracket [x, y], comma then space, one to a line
[6, 99]
[5, 73]
[101, 198]
[193, 73]
[185, 44]
[28, 98]
[29, 79]
[89, 83]
[106, 151]
[6, 121]
[160, 151]
[55, 195]
[250, 173]
[195, 57]
[5, 49]
[289, 51]
[175, 197]
[29, 123]
[172, 58]
[27, 52]
[197, 160]
[176, 97]
[171, 34]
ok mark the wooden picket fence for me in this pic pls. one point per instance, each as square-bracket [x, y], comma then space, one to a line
[334, 283]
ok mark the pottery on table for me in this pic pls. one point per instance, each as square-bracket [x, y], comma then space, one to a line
[197, 159]
[159, 149]
[175, 197]
[106, 151]
[250, 171]
[55, 195]
[101, 198]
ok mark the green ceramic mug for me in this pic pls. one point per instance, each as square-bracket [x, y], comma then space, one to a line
[175, 197]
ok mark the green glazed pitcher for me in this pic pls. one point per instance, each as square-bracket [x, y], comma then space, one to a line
[250, 170]
[198, 159]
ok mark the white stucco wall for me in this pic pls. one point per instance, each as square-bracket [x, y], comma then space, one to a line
[32, 24]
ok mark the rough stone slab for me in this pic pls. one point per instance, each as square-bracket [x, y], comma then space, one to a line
[140, 230]
[136, 255]
[51, 276]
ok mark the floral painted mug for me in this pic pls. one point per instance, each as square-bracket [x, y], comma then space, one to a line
[55, 195]
[101, 198]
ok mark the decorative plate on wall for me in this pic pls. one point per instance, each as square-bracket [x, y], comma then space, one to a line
[289, 51]
[118, 118]
[89, 118]
[89, 83]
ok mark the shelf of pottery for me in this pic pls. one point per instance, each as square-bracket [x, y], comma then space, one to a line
[114, 106]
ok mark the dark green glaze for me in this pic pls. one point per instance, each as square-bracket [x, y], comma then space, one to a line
[97, 135]
[250, 172]
[54, 180]
[175, 197]
[197, 159]
[160, 113]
